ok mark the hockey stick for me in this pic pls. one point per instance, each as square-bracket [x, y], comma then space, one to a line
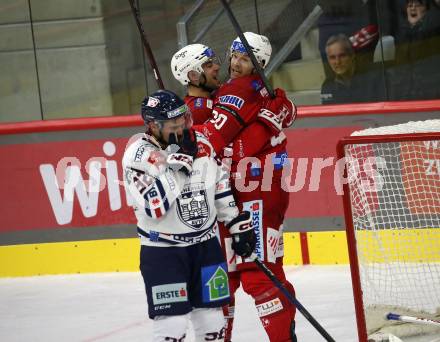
[412, 319]
[248, 48]
[147, 47]
[292, 299]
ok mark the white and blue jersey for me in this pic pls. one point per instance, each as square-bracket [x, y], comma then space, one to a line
[172, 208]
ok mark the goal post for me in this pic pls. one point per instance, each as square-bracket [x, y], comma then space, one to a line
[391, 183]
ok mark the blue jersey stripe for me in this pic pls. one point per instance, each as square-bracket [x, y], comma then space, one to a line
[223, 194]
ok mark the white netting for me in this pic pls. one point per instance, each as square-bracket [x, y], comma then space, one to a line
[407, 127]
[395, 202]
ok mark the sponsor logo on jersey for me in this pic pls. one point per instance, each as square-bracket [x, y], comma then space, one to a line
[257, 84]
[215, 283]
[169, 293]
[139, 152]
[204, 236]
[157, 202]
[193, 207]
[162, 307]
[154, 236]
[270, 307]
[264, 92]
[152, 102]
[232, 100]
[256, 210]
[209, 103]
[198, 103]
[273, 242]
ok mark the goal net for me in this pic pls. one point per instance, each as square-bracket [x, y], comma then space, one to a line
[392, 209]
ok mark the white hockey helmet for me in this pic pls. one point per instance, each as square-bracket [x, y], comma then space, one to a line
[260, 46]
[188, 58]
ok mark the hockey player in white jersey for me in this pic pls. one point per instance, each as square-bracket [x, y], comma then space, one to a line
[179, 192]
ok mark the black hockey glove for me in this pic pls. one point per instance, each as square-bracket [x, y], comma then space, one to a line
[188, 145]
[183, 158]
[243, 235]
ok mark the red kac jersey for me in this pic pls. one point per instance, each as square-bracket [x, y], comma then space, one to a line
[201, 108]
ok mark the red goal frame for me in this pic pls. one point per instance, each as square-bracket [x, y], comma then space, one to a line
[351, 240]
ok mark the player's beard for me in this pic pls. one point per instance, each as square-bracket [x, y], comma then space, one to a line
[203, 84]
[165, 144]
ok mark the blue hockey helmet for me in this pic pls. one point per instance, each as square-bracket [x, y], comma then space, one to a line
[163, 105]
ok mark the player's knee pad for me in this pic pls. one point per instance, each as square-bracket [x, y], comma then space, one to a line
[275, 311]
[170, 328]
[209, 324]
[277, 318]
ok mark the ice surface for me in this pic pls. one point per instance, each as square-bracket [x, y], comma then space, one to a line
[112, 307]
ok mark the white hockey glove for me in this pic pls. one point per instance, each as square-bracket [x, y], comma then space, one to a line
[184, 158]
[180, 162]
[243, 236]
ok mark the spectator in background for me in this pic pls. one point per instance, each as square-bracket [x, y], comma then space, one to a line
[344, 16]
[416, 72]
[347, 84]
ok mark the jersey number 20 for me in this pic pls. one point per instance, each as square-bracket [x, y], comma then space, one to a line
[219, 119]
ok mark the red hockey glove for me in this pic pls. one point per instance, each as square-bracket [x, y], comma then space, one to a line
[243, 235]
[279, 112]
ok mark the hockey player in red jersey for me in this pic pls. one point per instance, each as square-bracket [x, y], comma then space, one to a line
[245, 115]
[197, 67]
[246, 126]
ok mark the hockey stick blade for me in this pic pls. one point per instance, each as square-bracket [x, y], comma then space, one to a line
[136, 15]
[292, 299]
[248, 48]
[412, 319]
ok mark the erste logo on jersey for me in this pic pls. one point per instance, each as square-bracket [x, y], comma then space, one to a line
[232, 100]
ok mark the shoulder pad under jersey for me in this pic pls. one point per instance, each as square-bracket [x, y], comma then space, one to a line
[145, 156]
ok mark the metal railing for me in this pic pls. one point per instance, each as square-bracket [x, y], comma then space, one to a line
[277, 60]
[294, 40]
